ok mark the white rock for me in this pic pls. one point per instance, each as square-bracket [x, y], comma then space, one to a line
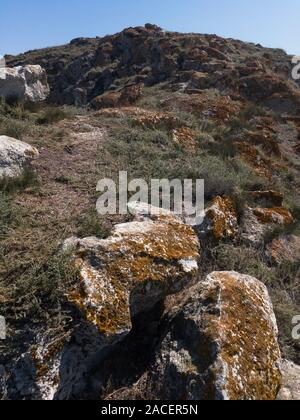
[290, 390]
[26, 83]
[15, 155]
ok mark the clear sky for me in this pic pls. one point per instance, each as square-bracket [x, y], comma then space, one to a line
[29, 24]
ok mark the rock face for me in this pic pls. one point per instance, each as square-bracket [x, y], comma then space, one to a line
[220, 345]
[138, 266]
[290, 390]
[15, 156]
[25, 83]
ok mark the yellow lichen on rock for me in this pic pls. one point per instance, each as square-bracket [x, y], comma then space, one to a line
[222, 215]
[246, 332]
[158, 120]
[140, 264]
[185, 137]
[276, 215]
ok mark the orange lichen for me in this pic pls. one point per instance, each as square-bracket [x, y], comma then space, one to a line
[205, 105]
[266, 139]
[276, 215]
[158, 120]
[123, 97]
[253, 157]
[223, 215]
[144, 255]
[247, 342]
[185, 137]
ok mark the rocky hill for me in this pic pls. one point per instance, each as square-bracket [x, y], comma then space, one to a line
[144, 306]
[86, 68]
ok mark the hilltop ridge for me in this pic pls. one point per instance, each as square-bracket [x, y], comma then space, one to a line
[88, 67]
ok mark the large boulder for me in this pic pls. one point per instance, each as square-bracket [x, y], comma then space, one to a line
[221, 344]
[135, 268]
[141, 263]
[15, 156]
[24, 83]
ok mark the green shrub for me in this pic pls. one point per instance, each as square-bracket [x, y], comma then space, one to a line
[12, 128]
[91, 224]
[51, 115]
[41, 287]
[11, 185]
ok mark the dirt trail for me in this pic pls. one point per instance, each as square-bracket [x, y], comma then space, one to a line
[67, 174]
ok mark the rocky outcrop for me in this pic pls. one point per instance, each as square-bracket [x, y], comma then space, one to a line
[221, 220]
[141, 263]
[267, 198]
[290, 390]
[219, 344]
[15, 156]
[25, 83]
[275, 215]
[150, 55]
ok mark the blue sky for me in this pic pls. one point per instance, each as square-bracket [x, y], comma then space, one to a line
[29, 24]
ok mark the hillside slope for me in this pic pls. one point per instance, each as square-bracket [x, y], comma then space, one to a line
[158, 105]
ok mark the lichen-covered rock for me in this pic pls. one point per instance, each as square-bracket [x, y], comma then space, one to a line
[265, 139]
[185, 137]
[107, 100]
[290, 390]
[275, 215]
[15, 156]
[124, 97]
[259, 221]
[220, 219]
[25, 83]
[206, 104]
[220, 345]
[131, 94]
[285, 249]
[139, 265]
[267, 198]
[261, 165]
[158, 120]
